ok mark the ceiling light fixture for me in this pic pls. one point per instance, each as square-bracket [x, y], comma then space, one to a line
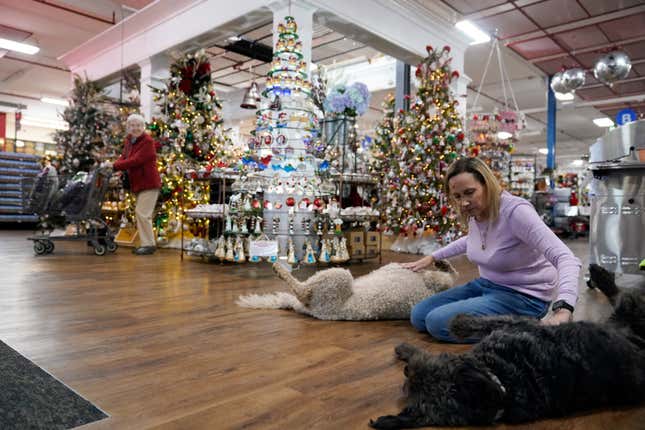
[504, 135]
[54, 101]
[576, 163]
[472, 31]
[603, 122]
[18, 47]
[543, 151]
[564, 96]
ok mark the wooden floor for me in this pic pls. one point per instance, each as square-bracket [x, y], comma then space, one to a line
[159, 344]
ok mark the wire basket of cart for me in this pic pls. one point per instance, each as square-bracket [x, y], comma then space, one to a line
[69, 209]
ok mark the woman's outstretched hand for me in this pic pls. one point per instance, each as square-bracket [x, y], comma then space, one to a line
[558, 317]
[420, 264]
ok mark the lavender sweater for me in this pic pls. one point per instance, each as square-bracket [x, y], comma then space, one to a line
[521, 253]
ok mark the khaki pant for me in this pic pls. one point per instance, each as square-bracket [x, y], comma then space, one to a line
[146, 201]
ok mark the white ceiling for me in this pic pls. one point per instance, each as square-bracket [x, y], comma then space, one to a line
[61, 25]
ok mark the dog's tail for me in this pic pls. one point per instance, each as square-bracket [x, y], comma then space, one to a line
[604, 280]
[445, 266]
[630, 312]
[279, 300]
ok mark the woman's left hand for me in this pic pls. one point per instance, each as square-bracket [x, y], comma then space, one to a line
[558, 317]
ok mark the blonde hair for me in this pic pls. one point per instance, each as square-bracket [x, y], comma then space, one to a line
[135, 117]
[482, 174]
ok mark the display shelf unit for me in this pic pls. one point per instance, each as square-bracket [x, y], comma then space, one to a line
[17, 174]
[522, 175]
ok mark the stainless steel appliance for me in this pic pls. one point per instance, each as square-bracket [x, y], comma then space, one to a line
[617, 221]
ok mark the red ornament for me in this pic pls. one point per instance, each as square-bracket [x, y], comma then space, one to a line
[267, 204]
[429, 48]
[209, 167]
[255, 204]
[306, 201]
[446, 48]
[290, 201]
[455, 74]
[475, 117]
[460, 136]
[318, 202]
[444, 210]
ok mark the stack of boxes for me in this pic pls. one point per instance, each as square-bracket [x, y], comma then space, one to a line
[363, 244]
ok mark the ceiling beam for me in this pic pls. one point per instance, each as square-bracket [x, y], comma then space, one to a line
[35, 63]
[77, 12]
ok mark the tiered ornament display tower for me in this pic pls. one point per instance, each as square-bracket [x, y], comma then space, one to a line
[284, 153]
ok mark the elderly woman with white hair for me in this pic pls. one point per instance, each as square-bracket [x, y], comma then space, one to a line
[139, 160]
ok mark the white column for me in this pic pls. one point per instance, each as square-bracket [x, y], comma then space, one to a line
[154, 71]
[460, 90]
[304, 16]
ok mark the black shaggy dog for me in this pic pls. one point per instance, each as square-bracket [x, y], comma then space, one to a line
[523, 371]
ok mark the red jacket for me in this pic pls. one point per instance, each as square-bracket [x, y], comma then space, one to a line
[141, 163]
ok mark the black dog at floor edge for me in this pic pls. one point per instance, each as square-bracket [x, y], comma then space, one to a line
[523, 371]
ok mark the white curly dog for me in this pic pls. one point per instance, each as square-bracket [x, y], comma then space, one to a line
[333, 294]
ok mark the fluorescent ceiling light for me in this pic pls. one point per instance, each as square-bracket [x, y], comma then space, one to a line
[543, 151]
[564, 96]
[44, 122]
[504, 135]
[54, 101]
[20, 144]
[576, 163]
[471, 30]
[18, 47]
[603, 122]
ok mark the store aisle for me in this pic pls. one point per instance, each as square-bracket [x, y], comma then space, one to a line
[159, 343]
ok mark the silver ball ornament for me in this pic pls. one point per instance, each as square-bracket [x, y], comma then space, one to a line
[557, 84]
[573, 78]
[612, 67]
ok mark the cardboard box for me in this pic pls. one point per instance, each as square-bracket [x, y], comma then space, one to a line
[357, 251]
[355, 238]
[127, 237]
[372, 238]
[371, 251]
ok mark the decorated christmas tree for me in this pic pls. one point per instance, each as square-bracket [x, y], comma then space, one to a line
[286, 150]
[425, 140]
[193, 141]
[382, 147]
[89, 121]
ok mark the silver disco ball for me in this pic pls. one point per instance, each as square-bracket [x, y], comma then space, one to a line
[573, 78]
[612, 67]
[557, 84]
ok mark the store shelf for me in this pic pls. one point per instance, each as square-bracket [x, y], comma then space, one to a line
[17, 174]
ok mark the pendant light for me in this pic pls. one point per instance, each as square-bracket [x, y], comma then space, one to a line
[252, 95]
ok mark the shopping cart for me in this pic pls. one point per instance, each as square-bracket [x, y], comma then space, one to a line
[75, 203]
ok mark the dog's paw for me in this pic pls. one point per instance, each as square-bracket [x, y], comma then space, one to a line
[385, 422]
[405, 351]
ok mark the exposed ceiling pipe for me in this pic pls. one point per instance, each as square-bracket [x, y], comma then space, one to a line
[591, 49]
[86, 15]
[594, 103]
[576, 25]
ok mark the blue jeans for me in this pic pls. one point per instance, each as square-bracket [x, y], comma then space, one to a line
[478, 297]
